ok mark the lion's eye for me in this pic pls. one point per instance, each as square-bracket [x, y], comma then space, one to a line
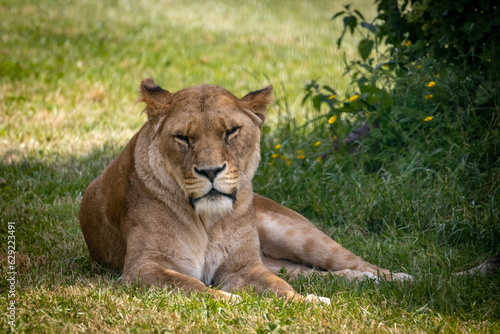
[182, 139]
[232, 133]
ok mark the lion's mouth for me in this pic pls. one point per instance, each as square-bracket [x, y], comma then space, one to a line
[213, 194]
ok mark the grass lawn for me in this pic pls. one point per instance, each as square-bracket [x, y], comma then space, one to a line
[69, 77]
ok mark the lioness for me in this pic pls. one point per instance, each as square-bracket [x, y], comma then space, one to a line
[176, 207]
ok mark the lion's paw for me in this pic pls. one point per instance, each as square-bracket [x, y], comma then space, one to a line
[229, 297]
[402, 277]
[317, 299]
[368, 275]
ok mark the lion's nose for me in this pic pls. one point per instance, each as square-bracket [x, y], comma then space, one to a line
[210, 172]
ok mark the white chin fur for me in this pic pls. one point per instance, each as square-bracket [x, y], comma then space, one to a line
[214, 207]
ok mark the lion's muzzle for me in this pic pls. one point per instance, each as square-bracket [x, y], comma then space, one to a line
[215, 189]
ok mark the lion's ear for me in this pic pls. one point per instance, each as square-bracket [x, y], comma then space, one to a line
[156, 98]
[258, 101]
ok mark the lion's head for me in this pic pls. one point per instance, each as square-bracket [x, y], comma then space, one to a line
[207, 140]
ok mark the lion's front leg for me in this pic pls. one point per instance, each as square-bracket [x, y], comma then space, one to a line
[153, 274]
[262, 279]
[285, 234]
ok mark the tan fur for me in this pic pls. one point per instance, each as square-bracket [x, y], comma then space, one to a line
[176, 207]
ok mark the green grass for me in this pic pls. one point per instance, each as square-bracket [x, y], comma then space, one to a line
[69, 76]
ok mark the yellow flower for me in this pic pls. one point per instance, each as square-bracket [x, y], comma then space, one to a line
[353, 98]
[407, 44]
[317, 143]
[437, 75]
[334, 137]
[428, 97]
[275, 155]
[301, 156]
[419, 66]
[288, 163]
[428, 118]
[270, 163]
[300, 151]
[332, 97]
[319, 159]
[431, 84]
[332, 119]
[277, 146]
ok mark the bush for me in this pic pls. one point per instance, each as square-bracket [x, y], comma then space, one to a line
[461, 31]
[428, 88]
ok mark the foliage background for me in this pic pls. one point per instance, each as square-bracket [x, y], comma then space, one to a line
[419, 197]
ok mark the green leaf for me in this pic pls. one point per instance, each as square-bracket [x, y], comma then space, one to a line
[329, 89]
[337, 14]
[359, 14]
[351, 22]
[365, 48]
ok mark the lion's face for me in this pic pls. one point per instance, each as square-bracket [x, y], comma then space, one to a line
[207, 140]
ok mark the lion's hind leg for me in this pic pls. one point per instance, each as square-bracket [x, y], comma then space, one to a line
[285, 234]
[295, 269]
[276, 266]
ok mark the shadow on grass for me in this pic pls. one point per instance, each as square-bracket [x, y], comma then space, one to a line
[41, 194]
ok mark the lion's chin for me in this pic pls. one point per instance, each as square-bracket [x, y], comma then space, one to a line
[214, 206]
